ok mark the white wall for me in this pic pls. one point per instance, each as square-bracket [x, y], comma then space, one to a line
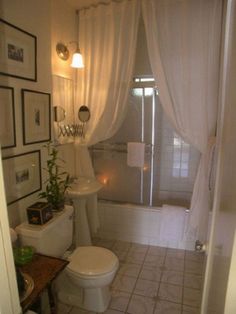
[50, 22]
[33, 17]
[63, 25]
[142, 64]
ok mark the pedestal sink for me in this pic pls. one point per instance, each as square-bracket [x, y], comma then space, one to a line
[83, 193]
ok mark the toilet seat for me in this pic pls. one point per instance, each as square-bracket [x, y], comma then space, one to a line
[92, 261]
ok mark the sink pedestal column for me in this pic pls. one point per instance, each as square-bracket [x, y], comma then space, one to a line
[83, 193]
[82, 231]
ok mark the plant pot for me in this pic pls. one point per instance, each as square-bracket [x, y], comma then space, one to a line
[58, 207]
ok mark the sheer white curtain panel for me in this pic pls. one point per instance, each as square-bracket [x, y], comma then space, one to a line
[183, 38]
[107, 39]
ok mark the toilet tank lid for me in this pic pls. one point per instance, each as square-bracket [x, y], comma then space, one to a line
[92, 260]
[37, 231]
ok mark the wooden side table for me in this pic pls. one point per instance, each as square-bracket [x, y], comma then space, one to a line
[43, 269]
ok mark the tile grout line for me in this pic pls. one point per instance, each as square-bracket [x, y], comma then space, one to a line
[157, 298]
[137, 277]
[136, 281]
[182, 304]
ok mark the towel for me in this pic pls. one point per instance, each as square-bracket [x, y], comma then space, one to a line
[135, 156]
[172, 226]
[13, 235]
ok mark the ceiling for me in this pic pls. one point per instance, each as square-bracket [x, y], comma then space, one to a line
[78, 4]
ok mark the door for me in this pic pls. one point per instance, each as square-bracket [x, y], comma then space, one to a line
[219, 293]
[9, 300]
[170, 164]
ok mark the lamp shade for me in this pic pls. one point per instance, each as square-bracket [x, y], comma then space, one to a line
[77, 60]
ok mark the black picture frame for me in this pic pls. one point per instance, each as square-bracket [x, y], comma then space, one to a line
[22, 175]
[7, 117]
[18, 52]
[36, 116]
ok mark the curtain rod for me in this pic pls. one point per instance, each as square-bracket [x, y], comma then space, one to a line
[95, 5]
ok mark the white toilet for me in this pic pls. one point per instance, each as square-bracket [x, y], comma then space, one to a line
[85, 281]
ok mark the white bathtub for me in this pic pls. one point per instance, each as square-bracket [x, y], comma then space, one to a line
[139, 224]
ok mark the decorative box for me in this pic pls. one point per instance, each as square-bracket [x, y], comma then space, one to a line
[39, 213]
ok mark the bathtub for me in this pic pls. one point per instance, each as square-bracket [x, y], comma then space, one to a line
[141, 224]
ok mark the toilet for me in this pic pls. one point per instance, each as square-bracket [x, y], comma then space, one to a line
[86, 280]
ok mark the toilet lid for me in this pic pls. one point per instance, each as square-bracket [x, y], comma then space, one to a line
[92, 260]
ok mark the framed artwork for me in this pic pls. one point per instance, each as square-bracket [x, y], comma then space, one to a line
[36, 115]
[7, 117]
[22, 175]
[18, 52]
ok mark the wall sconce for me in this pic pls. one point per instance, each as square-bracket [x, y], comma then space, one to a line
[63, 53]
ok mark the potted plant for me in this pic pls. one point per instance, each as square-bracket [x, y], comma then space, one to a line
[57, 182]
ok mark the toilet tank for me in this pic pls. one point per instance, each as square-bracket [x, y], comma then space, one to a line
[52, 238]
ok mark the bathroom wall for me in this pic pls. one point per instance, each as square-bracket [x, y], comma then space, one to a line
[33, 17]
[63, 29]
[142, 64]
[46, 20]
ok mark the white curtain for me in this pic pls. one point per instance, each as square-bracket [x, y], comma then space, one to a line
[107, 38]
[183, 38]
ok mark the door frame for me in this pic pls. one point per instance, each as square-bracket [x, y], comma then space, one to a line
[9, 300]
[228, 19]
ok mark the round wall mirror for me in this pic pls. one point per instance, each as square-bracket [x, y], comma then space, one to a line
[62, 51]
[84, 114]
[59, 114]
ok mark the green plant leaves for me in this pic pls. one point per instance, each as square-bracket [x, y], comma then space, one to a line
[57, 182]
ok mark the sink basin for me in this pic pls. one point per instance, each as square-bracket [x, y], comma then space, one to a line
[29, 286]
[83, 186]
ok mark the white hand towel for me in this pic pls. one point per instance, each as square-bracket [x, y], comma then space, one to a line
[135, 156]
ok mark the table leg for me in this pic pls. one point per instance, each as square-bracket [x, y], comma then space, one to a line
[51, 299]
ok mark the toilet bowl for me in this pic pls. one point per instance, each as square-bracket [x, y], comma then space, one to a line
[85, 281]
[92, 267]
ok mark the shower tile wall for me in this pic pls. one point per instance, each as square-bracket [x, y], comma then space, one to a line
[175, 162]
[177, 165]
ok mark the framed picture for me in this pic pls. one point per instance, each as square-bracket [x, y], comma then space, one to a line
[18, 52]
[36, 115]
[7, 117]
[22, 175]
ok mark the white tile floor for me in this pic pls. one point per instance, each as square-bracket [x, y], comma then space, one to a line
[152, 280]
